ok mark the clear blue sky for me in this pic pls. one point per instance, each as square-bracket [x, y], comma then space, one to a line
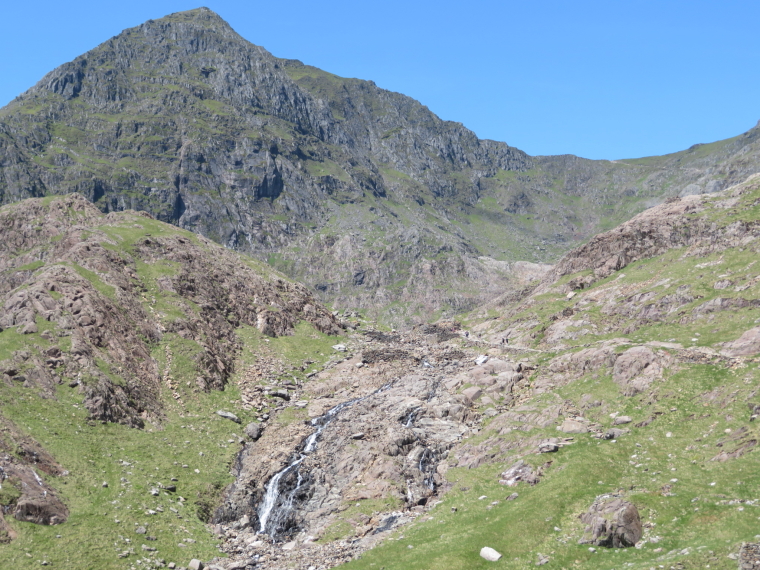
[600, 79]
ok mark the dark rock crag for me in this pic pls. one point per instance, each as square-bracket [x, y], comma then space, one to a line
[612, 522]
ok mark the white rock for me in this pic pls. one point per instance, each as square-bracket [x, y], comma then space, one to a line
[228, 416]
[339, 347]
[482, 359]
[489, 554]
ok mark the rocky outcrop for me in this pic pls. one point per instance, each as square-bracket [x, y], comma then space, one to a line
[749, 556]
[657, 230]
[746, 345]
[379, 432]
[636, 368]
[520, 472]
[25, 492]
[612, 522]
[91, 288]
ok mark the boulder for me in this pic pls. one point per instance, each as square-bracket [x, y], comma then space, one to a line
[489, 554]
[621, 420]
[253, 431]
[520, 471]
[635, 370]
[47, 511]
[472, 393]
[195, 564]
[614, 433]
[228, 416]
[611, 522]
[281, 393]
[547, 447]
[573, 426]
[745, 345]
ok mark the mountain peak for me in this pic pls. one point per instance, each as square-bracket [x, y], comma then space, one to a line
[196, 15]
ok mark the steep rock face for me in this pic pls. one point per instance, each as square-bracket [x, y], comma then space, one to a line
[187, 96]
[183, 118]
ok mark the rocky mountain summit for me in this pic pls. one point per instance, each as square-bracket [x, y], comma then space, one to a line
[363, 194]
[167, 402]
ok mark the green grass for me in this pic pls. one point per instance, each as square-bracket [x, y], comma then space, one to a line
[31, 266]
[326, 168]
[103, 518]
[522, 528]
[306, 343]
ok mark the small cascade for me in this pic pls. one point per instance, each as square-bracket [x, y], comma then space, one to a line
[434, 389]
[427, 466]
[289, 484]
[273, 493]
[408, 421]
[428, 459]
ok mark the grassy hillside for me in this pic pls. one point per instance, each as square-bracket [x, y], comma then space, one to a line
[688, 460]
[166, 475]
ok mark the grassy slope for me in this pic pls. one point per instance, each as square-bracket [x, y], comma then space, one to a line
[701, 521]
[190, 437]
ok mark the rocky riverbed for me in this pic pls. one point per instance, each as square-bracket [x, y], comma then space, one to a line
[396, 408]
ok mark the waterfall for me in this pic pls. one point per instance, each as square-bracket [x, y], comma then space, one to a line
[427, 460]
[278, 503]
[410, 418]
[273, 492]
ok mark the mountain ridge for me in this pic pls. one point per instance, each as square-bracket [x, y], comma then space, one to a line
[183, 118]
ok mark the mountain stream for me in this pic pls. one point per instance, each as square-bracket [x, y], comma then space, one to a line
[281, 492]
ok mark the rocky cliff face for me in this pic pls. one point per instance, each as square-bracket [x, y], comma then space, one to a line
[183, 118]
